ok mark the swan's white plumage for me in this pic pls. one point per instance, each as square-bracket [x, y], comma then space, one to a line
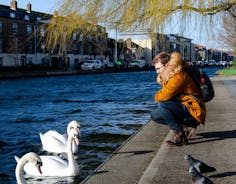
[31, 158]
[55, 134]
[52, 141]
[54, 165]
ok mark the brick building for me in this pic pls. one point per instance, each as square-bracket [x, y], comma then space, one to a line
[22, 41]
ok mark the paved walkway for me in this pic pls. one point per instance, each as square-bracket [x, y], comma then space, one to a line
[146, 159]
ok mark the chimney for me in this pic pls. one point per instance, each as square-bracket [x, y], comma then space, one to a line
[13, 5]
[28, 8]
[55, 13]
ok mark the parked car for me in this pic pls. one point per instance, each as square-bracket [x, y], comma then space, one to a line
[226, 63]
[222, 63]
[137, 63]
[108, 64]
[211, 62]
[200, 63]
[91, 65]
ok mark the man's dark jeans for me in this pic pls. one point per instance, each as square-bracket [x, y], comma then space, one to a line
[174, 114]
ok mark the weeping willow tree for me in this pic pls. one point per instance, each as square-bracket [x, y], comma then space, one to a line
[228, 32]
[130, 15]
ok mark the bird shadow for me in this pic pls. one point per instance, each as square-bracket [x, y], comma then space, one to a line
[136, 152]
[100, 172]
[213, 136]
[222, 175]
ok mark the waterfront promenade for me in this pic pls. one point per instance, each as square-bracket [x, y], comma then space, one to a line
[47, 73]
[146, 159]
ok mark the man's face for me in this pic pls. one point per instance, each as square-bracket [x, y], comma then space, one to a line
[159, 67]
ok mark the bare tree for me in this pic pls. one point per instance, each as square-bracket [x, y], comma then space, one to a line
[129, 14]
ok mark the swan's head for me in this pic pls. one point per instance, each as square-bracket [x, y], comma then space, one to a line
[73, 130]
[75, 125]
[34, 159]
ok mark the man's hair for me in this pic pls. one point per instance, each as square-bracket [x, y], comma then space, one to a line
[162, 57]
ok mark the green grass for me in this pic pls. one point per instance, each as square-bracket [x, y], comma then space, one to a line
[227, 71]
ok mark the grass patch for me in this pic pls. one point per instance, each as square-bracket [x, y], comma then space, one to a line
[227, 71]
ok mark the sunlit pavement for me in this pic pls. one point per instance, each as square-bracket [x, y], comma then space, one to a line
[145, 158]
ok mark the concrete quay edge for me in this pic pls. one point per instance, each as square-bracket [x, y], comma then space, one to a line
[130, 160]
[169, 166]
[145, 158]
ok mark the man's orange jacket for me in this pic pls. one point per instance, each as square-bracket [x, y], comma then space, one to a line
[182, 88]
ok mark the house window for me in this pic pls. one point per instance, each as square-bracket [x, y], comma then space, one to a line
[14, 28]
[30, 47]
[29, 60]
[1, 62]
[12, 15]
[1, 45]
[27, 17]
[42, 32]
[74, 36]
[29, 29]
[89, 49]
[89, 38]
[81, 37]
[174, 46]
[0, 27]
[43, 47]
[74, 47]
[80, 48]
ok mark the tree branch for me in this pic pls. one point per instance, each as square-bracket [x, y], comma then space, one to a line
[206, 11]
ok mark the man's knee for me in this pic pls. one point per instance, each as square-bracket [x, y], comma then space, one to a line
[154, 115]
[157, 117]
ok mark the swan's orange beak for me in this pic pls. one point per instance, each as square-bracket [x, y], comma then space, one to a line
[38, 165]
[76, 140]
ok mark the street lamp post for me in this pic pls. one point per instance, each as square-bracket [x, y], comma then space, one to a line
[116, 46]
[35, 41]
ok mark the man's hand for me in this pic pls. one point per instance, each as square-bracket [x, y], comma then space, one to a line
[189, 131]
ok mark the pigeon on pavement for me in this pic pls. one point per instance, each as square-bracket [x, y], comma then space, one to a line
[199, 165]
[198, 178]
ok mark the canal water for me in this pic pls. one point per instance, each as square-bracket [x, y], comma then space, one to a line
[110, 108]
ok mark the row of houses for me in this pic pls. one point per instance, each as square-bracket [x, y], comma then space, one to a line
[22, 43]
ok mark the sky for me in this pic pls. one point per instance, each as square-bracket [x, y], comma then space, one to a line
[48, 6]
[45, 6]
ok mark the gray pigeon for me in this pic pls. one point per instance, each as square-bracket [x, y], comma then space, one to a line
[199, 165]
[198, 178]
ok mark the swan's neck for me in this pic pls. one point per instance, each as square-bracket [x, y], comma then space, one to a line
[20, 172]
[70, 154]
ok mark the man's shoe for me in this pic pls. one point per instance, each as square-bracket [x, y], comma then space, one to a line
[179, 138]
[189, 131]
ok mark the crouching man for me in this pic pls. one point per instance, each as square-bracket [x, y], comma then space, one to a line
[179, 101]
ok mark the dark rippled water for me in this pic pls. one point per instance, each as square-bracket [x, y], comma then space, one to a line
[109, 107]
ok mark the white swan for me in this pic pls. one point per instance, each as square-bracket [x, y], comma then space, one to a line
[52, 141]
[31, 157]
[54, 165]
